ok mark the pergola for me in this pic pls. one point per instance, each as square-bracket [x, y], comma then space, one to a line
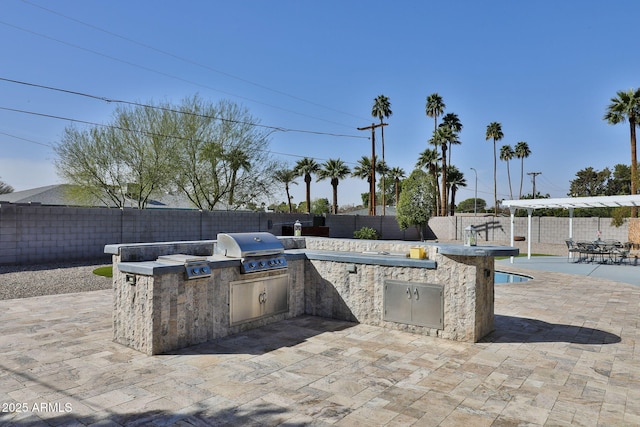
[565, 203]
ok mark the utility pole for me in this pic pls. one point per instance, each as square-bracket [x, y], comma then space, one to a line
[534, 174]
[372, 187]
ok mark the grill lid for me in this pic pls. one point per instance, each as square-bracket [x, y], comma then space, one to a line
[242, 245]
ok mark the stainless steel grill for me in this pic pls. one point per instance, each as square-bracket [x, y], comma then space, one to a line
[257, 252]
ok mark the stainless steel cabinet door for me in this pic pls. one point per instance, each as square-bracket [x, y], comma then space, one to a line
[257, 297]
[414, 303]
[427, 309]
[276, 295]
[397, 301]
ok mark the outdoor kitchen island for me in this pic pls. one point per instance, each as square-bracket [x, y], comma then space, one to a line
[171, 295]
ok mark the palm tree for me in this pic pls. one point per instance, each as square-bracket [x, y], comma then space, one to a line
[494, 131]
[286, 177]
[626, 106]
[238, 159]
[306, 167]
[397, 173]
[363, 171]
[435, 107]
[452, 121]
[506, 154]
[428, 160]
[455, 178]
[382, 109]
[441, 137]
[383, 170]
[522, 151]
[335, 169]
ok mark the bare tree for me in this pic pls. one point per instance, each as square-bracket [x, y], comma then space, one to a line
[5, 188]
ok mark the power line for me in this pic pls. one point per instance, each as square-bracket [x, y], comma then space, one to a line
[26, 140]
[132, 64]
[138, 104]
[51, 116]
[187, 60]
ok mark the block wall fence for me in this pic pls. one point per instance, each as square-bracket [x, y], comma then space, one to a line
[31, 234]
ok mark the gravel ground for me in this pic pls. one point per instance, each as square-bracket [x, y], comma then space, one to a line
[49, 279]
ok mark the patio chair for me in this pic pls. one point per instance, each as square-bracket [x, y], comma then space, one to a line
[572, 249]
[622, 253]
[587, 249]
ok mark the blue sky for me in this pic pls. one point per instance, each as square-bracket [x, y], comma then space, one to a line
[545, 70]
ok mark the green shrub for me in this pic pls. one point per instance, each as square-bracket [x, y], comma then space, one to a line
[366, 233]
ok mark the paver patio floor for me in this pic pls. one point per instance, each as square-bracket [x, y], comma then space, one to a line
[564, 352]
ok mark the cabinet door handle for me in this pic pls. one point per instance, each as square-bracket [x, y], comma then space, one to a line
[408, 293]
[415, 292]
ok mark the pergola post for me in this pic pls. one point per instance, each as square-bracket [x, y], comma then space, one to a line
[511, 216]
[529, 213]
[570, 223]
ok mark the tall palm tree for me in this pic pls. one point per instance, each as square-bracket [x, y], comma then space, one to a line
[237, 159]
[428, 160]
[441, 138]
[382, 169]
[334, 169]
[397, 174]
[625, 106]
[522, 152]
[286, 177]
[382, 109]
[363, 171]
[455, 178]
[494, 131]
[452, 121]
[506, 154]
[435, 107]
[306, 167]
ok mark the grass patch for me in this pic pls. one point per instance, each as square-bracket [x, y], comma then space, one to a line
[104, 271]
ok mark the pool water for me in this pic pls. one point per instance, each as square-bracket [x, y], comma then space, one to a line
[500, 277]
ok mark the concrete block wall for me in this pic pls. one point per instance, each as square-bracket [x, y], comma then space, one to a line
[543, 229]
[32, 234]
[343, 226]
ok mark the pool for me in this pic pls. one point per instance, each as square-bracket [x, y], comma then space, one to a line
[501, 277]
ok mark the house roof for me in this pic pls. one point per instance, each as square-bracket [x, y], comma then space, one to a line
[48, 195]
[59, 195]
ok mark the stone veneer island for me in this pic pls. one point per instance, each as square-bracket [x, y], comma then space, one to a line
[450, 294]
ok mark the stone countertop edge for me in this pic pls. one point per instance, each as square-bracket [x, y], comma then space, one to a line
[114, 249]
[150, 268]
[384, 259]
[480, 250]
